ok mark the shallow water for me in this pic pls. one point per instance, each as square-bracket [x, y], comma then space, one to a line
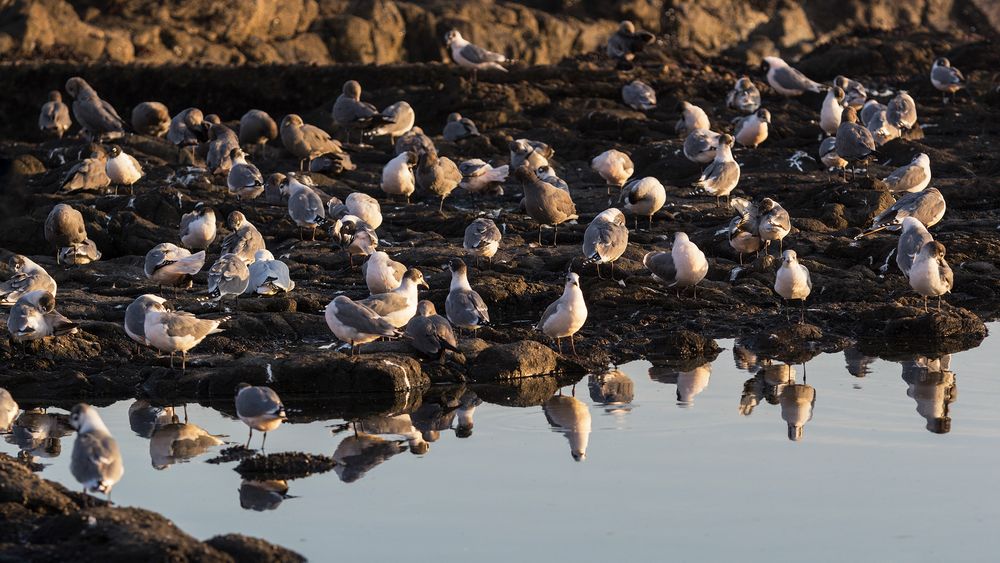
[688, 477]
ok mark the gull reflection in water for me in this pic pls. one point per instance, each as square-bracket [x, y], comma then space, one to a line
[613, 390]
[746, 359]
[178, 442]
[857, 361]
[359, 453]
[144, 417]
[263, 495]
[570, 416]
[690, 379]
[931, 383]
[39, 434]
[776, 384]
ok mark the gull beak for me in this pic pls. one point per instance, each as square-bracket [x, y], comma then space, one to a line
[424, 283]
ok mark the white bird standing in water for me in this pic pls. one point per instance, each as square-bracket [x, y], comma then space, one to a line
[564, 317]
[792, 281]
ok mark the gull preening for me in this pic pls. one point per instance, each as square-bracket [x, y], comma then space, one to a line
[64, 227]
[268, 276]
[398, 177]
[482, 239]
[98, 118]
[700, 145]
[34, 317]
[626, 42]
[605, 239]
[458, 128]
[244, 240]
[684, 265]
[773, 223]
[257, 128]
[53, 119]
[229, 275]
[382, 274]
[930, 275]
[855, 93]
[135, 315]
[27, 277]
[832, 110]
[151, 118]
[305, 207]
[478, 176]
[643, 197]
[927, 206]
[468, 55]
[744, 97]
[198, 227]
[912, 238]
[169, 264]
[692, 118]
[614, 166]
[721, 177]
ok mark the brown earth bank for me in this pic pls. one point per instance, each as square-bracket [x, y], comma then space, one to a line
[575, 107]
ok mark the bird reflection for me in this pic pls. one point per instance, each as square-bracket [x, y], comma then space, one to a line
[690, 381]
[467, 409]
[570, 416]
[431, 418]
[746, 359]
[857, 362]
[797, 402]
[358, 454]
[263, 495]
[143, 417]
[613, 389]
[39, 434]
[776, 384]
[399, 425]
[178, 442]
[931, 383]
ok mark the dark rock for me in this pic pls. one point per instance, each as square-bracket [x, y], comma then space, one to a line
[289, 465]
[525, 358]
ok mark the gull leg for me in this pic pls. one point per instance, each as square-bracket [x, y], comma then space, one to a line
[572, 345]
[784, 305]
[599, 270]
[171, 360]
[925, 303]
[441, 205]
[262, 442]
[555, 235]
[539, 235]
[939, 302]
[248, 439]
[802, 314]
[184, 360]
[559, 345]
[650, 221]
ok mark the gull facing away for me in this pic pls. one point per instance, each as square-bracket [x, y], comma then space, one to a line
[355, 324]
[902, 111]
[414, 141]
[854, 92]
[382, 274]
[482, 239]
[257, 127]
[912, 239]
[832, 110]
[135, 316]
[229, 275]
[566, 315]
[545, 203]
[221, 142]
[773, 223]
[352, 114]
[96, 462]
[304, 205]
[743, 237]
[64, 227]
[854, 142]
[639, 96]
[244, 240]
[198, 227]
[98, 118]
[913, 177]
[79, 253]
[692, 118]
[122, 169]
[721, 177]
[944, 77]
[438, 175]
[430, 333]
[752, 130]
[700, 145]
[268, 276]
[151, 118]
[27, 277]
[458, 128]
[305, 141]
[870, 110]
[34, 317]
[89, 173]
[644, 196]
[397, 119]
[881, 128]
[792, 281]
[927, 206]
[398, 306]
[397, 175]
[744, 97]
[259, 408]
[614, 166]
[828, 155]
[174, 331]
[684, 265]
[472, 56]
[786, 80]
[53, 119]
[930, 275]
[478, 176]
[363, 206]
[354, 236]
[605, 239]
[464, 307]
[188, 128]
[244, 180]
[168, 264]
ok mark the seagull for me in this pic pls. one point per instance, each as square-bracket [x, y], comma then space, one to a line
[744, 97]
[332, 163]
[786, 80]
[700, 145]
[177, 442]
[566, 315]
[398, 177]
[414, 141]
[122, 169]
[626, 42]
[398, 306]
[458, 128]
[930, 275]
[605, 239]
[27, 277]
[464, 307]
[437, 175]
[721, 177]
[54, 118]
[478, 176]
[244, 180]
[684, 265]
[570, 416]
[356, 324]
[482, 239]
[168, 264]
[188, 128]
[430, 333]
[198, 227]
[927, 206]
[260, 495]
[545, 203]
[912, 239]
[792, 281]
[172, 332]
[259, 408]
[221, 142]
[944, 77]
[34, 317]
[305, 141]
[97, 117]
[382, 274]
[257, 127]
[151, 118]
[870, 110]
[64, 227]
[902, 111]
[639, 96]
[135, 316]
[352, 114]
[535, 153]
[80, 253]
[8, 410]
[881, 128]
[354, 236]
[244, 240]
[828, 154]
[472, 56]
[614, 166]
[773, 223]
[692, 118]
[304, 205]
[268, 276]
[743, 237]
[89, 173]
[854, 142]
[832, 110]
[752, 130]
[854, 92]
[913, 177]
[229, 275]
[96, 462]
[644, 196]
[358, 204]
[397, 118]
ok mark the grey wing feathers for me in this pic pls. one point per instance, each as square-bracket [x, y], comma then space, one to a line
[186, 324]
[476, 54]
[791, 79]
[905, 178]
[96, 459]
[258, 401]
[246, 176]
[947, 276]
[948, 75]
[549, 311]
[364, 319]
[661, 264]
[910, 243]
[384, 303]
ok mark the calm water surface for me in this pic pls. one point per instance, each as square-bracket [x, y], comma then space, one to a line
[697, 465]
